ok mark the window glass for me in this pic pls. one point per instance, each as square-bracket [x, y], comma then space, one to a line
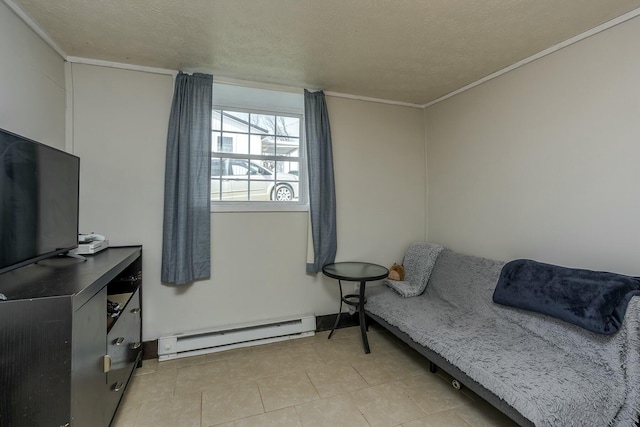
[263, 124]
[256, 144]
[239, 169]
[216, 120]
[256, 157]
[215, 168]
[237, 143]
[223, 144]
[235, 121]
[288, 126]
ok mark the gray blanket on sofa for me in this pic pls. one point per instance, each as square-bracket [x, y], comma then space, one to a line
[552, 372]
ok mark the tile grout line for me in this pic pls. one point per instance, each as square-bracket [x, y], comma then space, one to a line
[306, 365]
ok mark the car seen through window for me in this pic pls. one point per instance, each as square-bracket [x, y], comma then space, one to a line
[246, 180]
[256, 157]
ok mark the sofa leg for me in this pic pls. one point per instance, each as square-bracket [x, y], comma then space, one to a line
[433, 368]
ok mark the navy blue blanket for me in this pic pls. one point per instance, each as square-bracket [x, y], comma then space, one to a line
[593, 300]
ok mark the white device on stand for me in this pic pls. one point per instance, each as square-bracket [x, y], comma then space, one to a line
[89, 244]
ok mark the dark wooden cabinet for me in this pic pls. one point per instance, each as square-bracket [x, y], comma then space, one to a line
[64, 361]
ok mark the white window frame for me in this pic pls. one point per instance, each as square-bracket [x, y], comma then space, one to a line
[300, 205]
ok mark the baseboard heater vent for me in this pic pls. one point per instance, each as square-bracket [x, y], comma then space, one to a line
[225, 338]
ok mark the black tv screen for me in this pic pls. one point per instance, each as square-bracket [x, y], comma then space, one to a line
[39, 201]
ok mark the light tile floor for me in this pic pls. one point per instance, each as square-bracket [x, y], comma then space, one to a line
[309, 381]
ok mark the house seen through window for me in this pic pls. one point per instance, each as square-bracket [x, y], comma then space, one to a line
[256, 157]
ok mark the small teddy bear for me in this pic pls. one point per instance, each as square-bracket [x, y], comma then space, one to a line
[396, 272]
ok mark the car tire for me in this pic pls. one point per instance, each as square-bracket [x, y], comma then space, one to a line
[282, 193]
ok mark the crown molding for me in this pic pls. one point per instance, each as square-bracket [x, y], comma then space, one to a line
[121, 65]
[79, 60]
[17, 10]
[595, 30]
[369, 99]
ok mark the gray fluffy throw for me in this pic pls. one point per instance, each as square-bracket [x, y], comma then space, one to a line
[552, 372]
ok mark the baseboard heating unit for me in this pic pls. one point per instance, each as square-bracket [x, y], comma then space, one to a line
[236, 336]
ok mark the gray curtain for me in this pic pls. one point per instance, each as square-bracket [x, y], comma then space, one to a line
[322, 193]
[186, 245]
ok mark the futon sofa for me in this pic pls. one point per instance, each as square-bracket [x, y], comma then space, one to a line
[537, 369]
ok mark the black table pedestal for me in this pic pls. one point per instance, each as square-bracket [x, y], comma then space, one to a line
[357, 272]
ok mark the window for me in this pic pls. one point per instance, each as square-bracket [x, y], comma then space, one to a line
[225, 144]
[256, 157]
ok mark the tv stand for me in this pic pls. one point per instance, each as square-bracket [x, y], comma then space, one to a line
[65, 358]
[74, 256]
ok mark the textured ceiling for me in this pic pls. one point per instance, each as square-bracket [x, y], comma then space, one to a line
[403, 50]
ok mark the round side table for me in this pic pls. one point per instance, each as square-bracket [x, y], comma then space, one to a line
[362, 272]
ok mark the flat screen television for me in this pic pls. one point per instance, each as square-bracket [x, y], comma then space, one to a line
[39, 188]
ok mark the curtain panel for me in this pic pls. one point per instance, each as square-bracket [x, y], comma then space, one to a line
[322, 194]
[186, 245]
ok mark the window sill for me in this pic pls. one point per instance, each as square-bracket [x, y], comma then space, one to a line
[258, 207]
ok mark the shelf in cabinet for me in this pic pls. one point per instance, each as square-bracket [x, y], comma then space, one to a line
[121, 299]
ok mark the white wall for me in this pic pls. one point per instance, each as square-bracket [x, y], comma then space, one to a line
[119, 132]
[32, 83]
[544, 162]
[379, 163]
[120, 122]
